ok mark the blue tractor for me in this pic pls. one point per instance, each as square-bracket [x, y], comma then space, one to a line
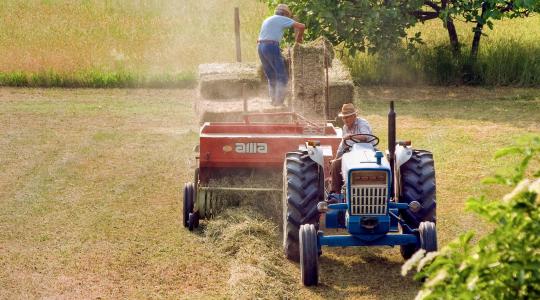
[386, 200]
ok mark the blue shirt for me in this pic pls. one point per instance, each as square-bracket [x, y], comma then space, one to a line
[359, 126]
[272, 28]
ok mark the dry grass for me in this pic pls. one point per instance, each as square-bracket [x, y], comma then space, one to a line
[153, 37]
[89, 196]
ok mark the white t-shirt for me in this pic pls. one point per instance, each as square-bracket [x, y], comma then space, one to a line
[272, 28]
[359, 126]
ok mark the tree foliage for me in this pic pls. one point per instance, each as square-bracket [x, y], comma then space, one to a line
[376, 25]
[358, 25]
[504, 264]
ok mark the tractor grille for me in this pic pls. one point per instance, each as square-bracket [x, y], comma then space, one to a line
[368, 200]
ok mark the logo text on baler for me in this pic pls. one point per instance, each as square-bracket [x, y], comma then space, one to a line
[251, 148]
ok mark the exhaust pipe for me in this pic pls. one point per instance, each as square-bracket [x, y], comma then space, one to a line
[391, 141]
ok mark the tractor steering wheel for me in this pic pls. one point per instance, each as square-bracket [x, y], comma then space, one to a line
[354, 138]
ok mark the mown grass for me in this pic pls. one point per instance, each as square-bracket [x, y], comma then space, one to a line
[90, 195]
[131, 43]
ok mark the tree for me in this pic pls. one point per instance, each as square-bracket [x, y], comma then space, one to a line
[375, 25]
[358, 25]
[485, 12]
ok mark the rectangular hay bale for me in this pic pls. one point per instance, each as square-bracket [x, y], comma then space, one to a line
[226, 80]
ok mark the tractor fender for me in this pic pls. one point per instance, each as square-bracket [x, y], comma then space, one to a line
[402, 155]
[316, 154]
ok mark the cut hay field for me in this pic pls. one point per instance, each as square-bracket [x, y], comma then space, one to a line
[90, 195]
[160, 43]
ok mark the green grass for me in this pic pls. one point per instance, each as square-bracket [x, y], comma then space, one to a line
[90, 195]
[97, 79]
[509, 55]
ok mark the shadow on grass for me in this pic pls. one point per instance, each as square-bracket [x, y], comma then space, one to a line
[364, 272]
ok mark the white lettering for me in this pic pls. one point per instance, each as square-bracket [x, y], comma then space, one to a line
[251, 148]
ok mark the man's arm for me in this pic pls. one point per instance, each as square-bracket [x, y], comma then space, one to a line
[299, 32]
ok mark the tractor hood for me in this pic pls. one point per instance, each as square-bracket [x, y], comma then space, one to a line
[362, 156]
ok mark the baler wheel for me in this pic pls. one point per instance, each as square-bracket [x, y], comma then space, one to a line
[193, 221]
[309, 256]
[187, 208]
[428, 236]
[418, 184]
[303, 188]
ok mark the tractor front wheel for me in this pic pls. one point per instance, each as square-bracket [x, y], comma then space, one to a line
[428, 236]
[309, 255]
[303, 188]
[187, 208]
[418, 184]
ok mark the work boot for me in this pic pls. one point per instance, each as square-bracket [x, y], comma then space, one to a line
[334, 198]
[281, 92]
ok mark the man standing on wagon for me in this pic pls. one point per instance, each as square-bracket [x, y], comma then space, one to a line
[270, 54]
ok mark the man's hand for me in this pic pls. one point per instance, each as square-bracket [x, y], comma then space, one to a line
[299, 32]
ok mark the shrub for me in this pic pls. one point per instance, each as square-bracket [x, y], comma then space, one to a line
[504, 264]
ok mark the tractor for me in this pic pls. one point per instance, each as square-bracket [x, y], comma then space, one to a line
[386, 200]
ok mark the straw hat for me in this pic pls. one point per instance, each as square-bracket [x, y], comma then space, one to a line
[347, 109]
[284, 8]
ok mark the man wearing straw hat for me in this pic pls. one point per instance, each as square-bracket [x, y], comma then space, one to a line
[352, 125]
[268, 47]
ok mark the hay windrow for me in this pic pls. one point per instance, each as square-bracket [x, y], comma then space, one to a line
[258, 268]
[267, 203]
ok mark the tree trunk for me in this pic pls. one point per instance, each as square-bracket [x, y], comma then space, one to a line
[476, 41]
[470, 74]
[477, 36]
[452, 34]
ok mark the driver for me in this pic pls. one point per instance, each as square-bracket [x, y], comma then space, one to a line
[352, 125]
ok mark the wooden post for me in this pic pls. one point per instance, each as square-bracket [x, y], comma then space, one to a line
[326, 87]
[237, 33]
[244, 98]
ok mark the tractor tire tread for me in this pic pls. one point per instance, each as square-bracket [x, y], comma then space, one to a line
[302, 193]
[418, 184]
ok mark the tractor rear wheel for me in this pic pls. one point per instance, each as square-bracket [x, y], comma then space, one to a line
[189, 193]
[309, 255]
[303, 188]
[418, 184]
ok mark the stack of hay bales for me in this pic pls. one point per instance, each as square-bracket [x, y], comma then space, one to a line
[222, 89]
[309, 81]
[223, 86]
[341, 89]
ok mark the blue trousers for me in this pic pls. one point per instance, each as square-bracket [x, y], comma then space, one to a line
[274, 69]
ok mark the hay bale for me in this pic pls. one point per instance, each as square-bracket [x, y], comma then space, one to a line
[309, 78]
[340, 91]
[226, 80]
[231, 110]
